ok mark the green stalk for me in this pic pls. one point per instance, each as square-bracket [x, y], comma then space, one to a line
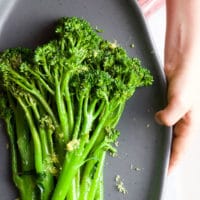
[22, 82]
[41, 81]
[65, 178]
[99, 109]
[96, 133]
[24, 183]
[45, 180]
[115, 116]
[77, 182]
[50, 140]
[61, 110]
[78, 119]
[100, 190]
[27, 188]
[46, 70]
[86, 179]
[65, 91]
[42, 133]
[22, 138]
[35, 136]
[44, 143]
[111, 122]
[92, 105]
[70, 109]
[88, 117]
[45, 183]
[72, 163]
[72, 195]
[45, 105]
[97, 176]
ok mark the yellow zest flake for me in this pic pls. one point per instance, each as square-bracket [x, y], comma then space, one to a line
[53, 170]
[120, 185]
[54, 158]
[117, 143]
[113, 45]
[73, 144]
[114, 154]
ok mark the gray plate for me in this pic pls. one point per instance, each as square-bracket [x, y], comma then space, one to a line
[144, 146]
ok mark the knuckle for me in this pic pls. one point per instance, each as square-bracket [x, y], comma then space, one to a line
[169, 69]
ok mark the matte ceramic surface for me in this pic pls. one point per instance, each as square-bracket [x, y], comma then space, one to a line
[144, 146]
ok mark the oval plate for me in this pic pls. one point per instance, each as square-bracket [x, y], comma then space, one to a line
[144, 146]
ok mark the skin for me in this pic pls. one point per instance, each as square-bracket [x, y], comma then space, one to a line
[182, 69]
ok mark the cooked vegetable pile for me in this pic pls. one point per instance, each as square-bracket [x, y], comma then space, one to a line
[61, 103]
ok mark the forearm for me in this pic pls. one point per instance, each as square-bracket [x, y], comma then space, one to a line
[182, 31]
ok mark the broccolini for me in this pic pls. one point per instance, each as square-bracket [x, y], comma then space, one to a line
[61, 103]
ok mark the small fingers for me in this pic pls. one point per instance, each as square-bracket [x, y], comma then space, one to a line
[179, 143]
[185, 133]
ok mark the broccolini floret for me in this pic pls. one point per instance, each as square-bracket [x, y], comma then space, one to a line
[61, 103]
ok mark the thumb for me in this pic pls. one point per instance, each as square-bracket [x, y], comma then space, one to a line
[180, 97]
[173, 112]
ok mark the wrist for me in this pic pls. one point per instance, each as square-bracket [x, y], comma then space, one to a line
[182, 31]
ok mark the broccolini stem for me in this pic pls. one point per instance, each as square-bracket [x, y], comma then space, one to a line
[70, 109]
[35, 136]
[46, 107]
[99, 109]
[22, 138]
[92, 105]
[96, 132]
[44, 180]
[77, 182]
[100, 190]
[50, 140]
[41, 81]
[44, 143]
[24, 84]
[97, 176]
[10, 131]
[85, 105]
[42, 133]
[117, 112]
[78, 119]
[46, 70]
[86, 179]
[72, 195]
[65, 91]
[28, 188]
[24, 183]
[45, 184]
[88, 174]
[61, 109]
[72, 162]
[65, 179]
[88, 117]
